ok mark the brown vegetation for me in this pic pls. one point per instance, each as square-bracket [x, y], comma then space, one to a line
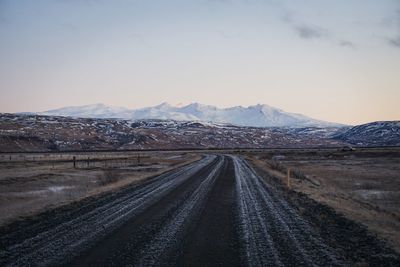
[363, 185]
[31, 183]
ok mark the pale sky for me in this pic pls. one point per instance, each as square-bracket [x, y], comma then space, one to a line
[332, 60]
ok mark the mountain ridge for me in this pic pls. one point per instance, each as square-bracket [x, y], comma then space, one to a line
[377, 133]
[260, 115]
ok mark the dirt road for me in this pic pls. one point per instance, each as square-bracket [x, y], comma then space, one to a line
[214, 212]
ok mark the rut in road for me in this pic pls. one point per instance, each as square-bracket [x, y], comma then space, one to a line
[273, 232]
[213, 239]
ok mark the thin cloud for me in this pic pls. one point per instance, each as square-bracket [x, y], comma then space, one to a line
[229, 35]
[348, 44]
[139, 38]
[309, 32]
[224, 35]
[394, 41]
[303, 30]
[287, 17]
[393, 22]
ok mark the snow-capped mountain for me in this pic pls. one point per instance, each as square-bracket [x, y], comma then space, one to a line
[256, 116]
[90, 111]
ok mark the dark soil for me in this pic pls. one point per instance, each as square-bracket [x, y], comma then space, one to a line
[214, 240]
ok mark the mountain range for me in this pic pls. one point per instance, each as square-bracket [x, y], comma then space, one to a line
[255, 116]
[197, 126]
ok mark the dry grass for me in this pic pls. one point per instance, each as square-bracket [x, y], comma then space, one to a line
[30, 186]
[363, 186]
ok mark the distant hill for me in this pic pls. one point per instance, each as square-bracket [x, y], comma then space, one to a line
[52, 133]
[380, 133]
[256, 116]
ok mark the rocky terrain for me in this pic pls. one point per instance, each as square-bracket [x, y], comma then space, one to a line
[53, 133]
[381, 133]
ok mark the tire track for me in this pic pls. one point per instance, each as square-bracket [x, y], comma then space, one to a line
[213, 239]
[159, 249]
[273, 233]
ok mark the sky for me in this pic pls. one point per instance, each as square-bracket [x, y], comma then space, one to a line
[332, 60]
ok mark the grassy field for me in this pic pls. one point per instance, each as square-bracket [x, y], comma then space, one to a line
[31, 183]
[363, 185]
